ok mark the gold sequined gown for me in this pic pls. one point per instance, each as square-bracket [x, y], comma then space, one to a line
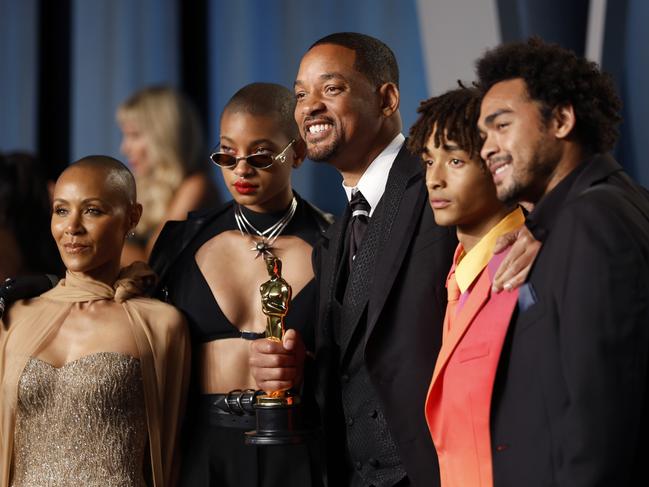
[82, 424]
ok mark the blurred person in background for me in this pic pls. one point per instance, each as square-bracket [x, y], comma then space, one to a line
[163, 143]
[26, 246]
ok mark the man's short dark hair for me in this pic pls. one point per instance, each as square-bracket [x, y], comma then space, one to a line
[267, 100]
[555, 76]
[374, 59]
[454, 115]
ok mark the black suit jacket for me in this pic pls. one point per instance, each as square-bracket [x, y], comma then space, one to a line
[571, 401]
[176, 236]
[403, 297]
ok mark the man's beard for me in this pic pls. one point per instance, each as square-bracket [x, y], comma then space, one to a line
[512, 195]
[531, 186]
[530, 183]
[323, 152]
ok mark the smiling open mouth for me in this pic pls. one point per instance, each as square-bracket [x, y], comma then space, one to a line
[499, 168]
[319, 128]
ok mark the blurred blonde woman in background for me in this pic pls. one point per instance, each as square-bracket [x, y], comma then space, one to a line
[162, 140]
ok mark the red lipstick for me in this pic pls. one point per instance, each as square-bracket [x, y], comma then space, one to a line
[243, 187]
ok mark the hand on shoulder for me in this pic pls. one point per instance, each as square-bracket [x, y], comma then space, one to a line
[515, 267]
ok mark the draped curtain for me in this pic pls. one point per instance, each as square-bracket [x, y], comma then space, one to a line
[18, 61]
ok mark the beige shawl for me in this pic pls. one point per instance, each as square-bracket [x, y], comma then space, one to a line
[162, 341]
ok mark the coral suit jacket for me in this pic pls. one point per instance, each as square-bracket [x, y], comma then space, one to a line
[459, 398]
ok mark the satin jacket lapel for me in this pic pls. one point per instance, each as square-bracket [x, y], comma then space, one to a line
[479, 296]
[325, 262]
[407, 195]
[374, 253]
[174, 239]
[329, 264]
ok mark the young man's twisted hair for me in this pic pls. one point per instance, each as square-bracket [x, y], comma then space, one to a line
[454, 116]
[555, 77]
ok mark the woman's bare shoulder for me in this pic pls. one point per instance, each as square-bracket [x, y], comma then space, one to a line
[193, 193]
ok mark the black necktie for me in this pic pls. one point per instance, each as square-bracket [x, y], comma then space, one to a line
[357, 223]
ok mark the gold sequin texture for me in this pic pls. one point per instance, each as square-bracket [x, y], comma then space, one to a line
[81, 424]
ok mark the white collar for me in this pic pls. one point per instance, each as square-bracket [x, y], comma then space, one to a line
[372, 182]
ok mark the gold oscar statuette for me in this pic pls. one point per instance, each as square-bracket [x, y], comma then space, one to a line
[278, 412]
[275, 299]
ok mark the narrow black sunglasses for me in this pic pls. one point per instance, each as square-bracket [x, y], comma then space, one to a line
[258, 161]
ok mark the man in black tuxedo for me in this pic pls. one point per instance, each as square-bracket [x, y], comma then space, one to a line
[571, 400]
[381, 272]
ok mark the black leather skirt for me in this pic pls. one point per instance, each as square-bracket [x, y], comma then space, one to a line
[215, 454]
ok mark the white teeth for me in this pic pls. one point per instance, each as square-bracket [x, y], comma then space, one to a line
[501, 169]
[316, 129]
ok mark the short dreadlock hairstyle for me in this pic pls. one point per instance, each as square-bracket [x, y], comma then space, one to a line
[374, 59]
[555, 76]
[453, 115]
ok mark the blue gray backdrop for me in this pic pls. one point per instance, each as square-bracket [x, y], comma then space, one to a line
[68, 63]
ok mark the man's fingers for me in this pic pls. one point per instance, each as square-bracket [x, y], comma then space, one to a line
[502, 269]
[514, 268]
[272, 386]
[504, 241]
[504, 272]
[276, 379]
[274, 373]
[521, 265]
[291, 339]
[518, 280]
[507, 270]
[266, 346]
[272, 360]
[513, 272]
[277, 365]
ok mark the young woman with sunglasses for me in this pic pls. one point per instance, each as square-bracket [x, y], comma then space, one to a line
[211, 267]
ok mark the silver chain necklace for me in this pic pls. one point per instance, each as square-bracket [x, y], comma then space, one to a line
[268, 236]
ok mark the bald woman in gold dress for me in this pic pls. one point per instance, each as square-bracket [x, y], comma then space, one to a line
[92, 374]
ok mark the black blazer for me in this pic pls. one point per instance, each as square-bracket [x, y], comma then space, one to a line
[571, 401]
[404, 297]
[177, 235]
